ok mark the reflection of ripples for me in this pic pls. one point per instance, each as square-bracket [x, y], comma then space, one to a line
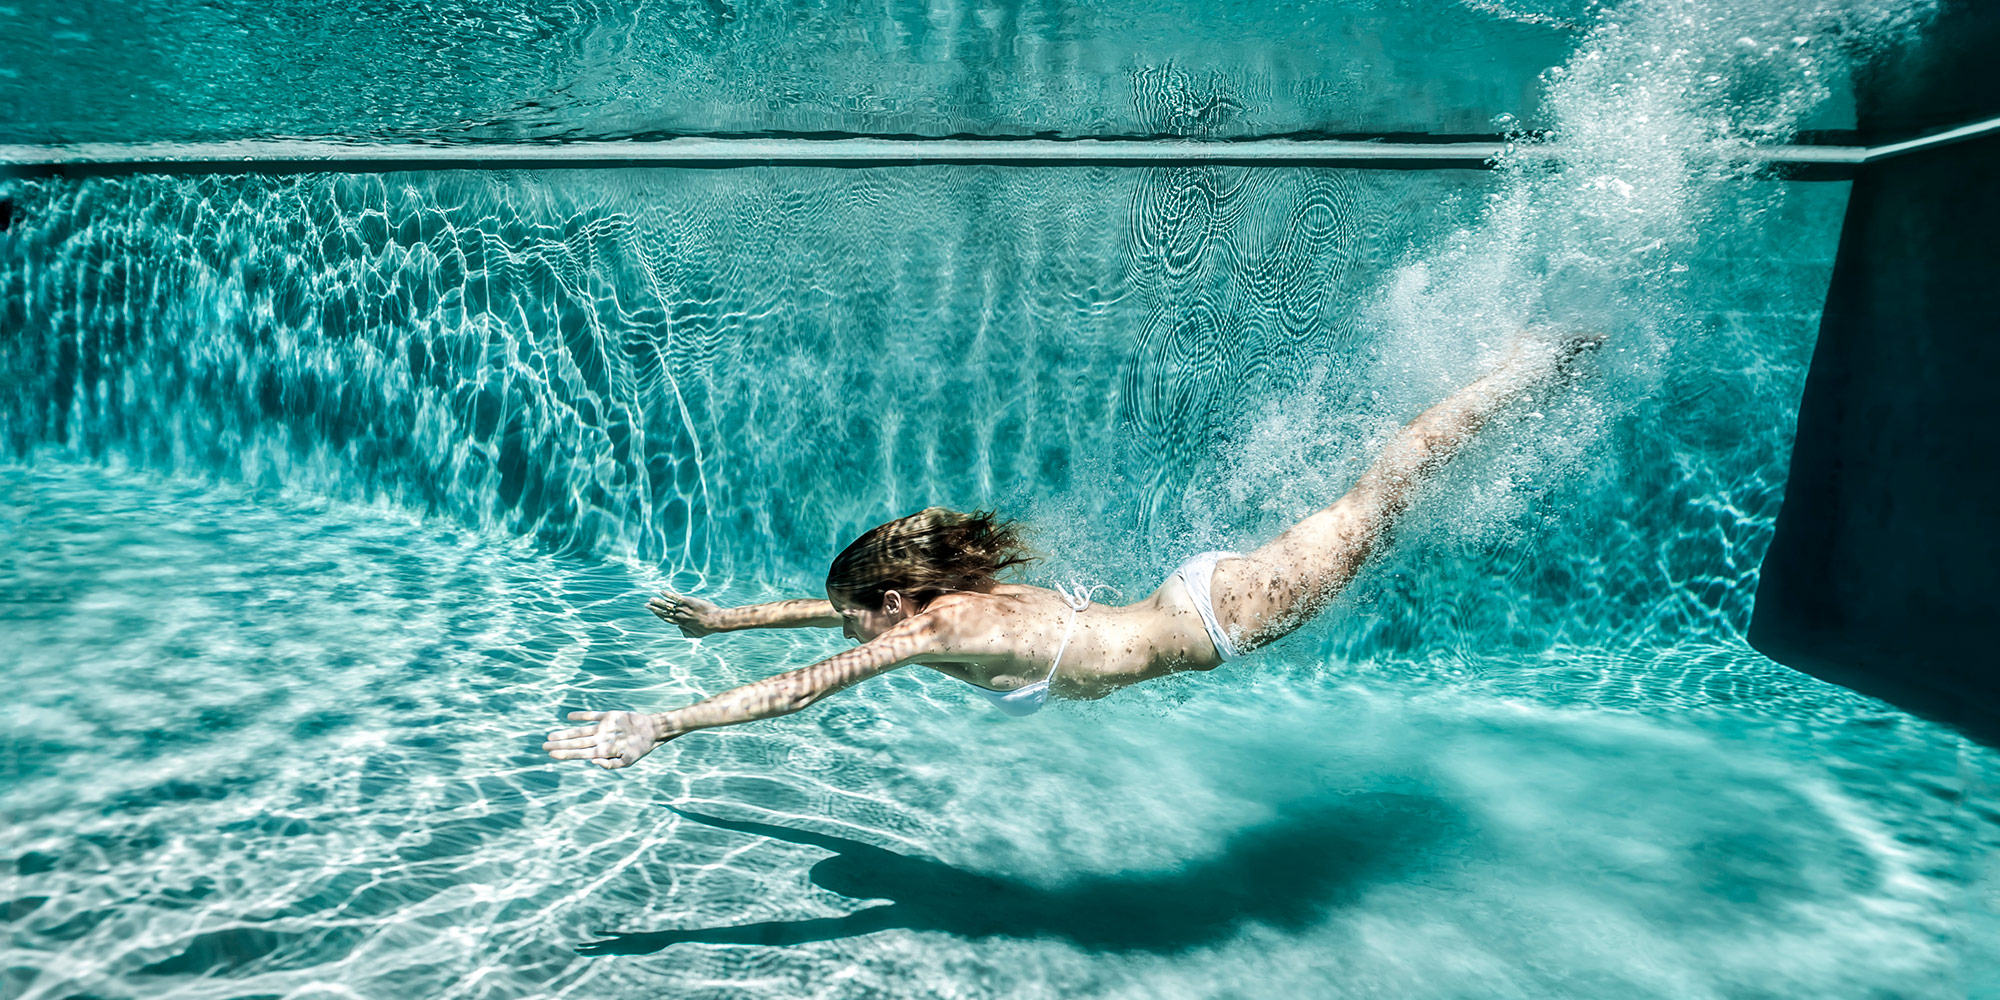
[1174, 383]
[505, 70]
[1171, 101]
[1177, 212]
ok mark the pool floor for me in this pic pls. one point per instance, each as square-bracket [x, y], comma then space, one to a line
[265, 744]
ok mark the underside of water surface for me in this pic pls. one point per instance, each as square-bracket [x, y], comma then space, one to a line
[322, 498]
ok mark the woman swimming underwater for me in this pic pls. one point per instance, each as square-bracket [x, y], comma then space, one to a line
[924, 590]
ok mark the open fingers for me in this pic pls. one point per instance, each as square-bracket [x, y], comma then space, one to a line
[586, 716]
[558, 741]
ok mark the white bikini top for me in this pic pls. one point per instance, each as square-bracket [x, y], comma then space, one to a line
[1029, 698]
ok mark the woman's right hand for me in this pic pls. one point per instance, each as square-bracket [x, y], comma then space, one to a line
[692, 615]
[612, 740]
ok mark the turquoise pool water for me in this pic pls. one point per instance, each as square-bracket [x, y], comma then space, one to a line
[507, 70]
[324, 496]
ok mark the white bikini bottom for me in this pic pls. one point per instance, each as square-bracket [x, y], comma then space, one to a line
[1197, 573]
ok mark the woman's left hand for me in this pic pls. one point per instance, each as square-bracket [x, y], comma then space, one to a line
[617, 739]
[692, 615]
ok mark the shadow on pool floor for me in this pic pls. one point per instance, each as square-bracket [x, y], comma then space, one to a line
[1287, 874]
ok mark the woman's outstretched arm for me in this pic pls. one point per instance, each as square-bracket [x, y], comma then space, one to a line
[696, 617]
[619, 739]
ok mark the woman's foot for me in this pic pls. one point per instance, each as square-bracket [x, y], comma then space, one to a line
[1543, 354]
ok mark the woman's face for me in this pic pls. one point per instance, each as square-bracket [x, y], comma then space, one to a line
[862, 623]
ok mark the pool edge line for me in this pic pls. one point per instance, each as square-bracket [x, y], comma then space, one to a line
[301, 156]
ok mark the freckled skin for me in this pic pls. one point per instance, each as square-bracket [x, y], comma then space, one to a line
[1003, 636]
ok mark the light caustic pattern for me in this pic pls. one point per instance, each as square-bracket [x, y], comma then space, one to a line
[286, 746]
[720, 372]
[325, 496]
[728, 374]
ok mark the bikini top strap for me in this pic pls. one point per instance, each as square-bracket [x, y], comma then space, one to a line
[1078, 599]
[1076, 596]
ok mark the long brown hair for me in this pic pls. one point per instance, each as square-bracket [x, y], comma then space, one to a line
[929, 553]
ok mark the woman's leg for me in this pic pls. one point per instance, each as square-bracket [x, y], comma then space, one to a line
[1291, 579]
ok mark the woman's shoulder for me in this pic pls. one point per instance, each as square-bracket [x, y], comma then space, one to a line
[978, 625]
[1000, 599]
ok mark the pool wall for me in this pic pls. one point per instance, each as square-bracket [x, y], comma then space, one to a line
[1882, 573]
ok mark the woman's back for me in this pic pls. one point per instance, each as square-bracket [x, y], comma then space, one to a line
[1016, 631]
